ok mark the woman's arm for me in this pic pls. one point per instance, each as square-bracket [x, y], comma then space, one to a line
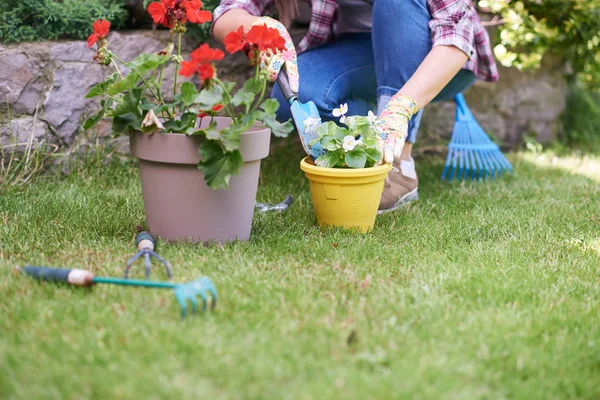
[437, 69]
[231, 21]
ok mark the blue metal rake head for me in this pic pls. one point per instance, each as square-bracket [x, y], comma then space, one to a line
[471, 153]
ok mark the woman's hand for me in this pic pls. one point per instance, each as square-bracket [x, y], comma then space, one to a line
[393, 126]
[272, 63]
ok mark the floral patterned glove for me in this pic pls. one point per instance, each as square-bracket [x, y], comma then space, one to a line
[393, 126]
[272, 62]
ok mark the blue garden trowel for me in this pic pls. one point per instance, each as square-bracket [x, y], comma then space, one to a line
[301, 112]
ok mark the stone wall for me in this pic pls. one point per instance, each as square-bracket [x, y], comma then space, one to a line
[52, 78]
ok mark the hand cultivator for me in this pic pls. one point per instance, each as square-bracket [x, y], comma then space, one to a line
[284, 205]
[145, 244]
[184, 292]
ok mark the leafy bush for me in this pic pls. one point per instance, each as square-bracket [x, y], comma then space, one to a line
[582, 120]
[28, 20]
[569, 29]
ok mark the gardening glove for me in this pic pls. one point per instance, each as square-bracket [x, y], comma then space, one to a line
[392, 125]
[272, 63]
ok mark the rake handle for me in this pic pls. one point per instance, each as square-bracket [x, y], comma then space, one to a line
[83, 278]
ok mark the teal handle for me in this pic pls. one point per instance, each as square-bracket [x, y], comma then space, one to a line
[134, 282]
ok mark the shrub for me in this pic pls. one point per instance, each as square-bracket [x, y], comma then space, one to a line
[569, 29]
[28, 20]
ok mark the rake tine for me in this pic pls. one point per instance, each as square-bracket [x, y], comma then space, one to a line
[182, 303]
[213, 292]
[447, 165]
[204, 300]
[194, 304]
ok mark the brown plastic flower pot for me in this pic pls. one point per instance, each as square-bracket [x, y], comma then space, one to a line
[179, 205]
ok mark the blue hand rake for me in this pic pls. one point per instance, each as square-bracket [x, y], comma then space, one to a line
[471, 153]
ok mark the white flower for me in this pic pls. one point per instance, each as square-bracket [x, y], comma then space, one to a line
[340, 111]
[349, 143]
[350, 121]
[343, 119]
[311, 123]
[371, 117]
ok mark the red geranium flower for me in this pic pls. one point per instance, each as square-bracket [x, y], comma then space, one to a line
[258, 37]
[194, 13]
[200, 62]
[206, 72]
[265, 38]
[205, 54]
[234, 41]
[101, 28]
[217, 107]
[168, 12]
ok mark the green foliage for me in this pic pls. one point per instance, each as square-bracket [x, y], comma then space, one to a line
[569, 29]
[352, 146]
[29, 20]
[582, 120]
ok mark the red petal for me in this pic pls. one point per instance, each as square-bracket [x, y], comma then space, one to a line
[204, 54]
[168, 3]
[92, 39]
[256, 34]
[217, 107]
[158, 12]
[188, 68]
[206, 71]
[234, 41]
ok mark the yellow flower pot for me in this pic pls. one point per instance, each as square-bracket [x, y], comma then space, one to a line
[345, 197]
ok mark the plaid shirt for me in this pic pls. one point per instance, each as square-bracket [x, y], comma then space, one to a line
[453, 23]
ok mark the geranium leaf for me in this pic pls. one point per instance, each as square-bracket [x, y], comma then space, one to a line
[130, 103]
[270, 106]
[209, 97]
[188, 120]
[94, 119]
[231, 136]
[217, 165]
[188, 93]
[210, 132]
[122, 85]
[126, 123]
[356, 158]
[99, 89]
[247, 94]
[148, 61]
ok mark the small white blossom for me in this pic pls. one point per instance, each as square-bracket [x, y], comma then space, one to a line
[371, 117]
[340, 111]
[350, 121]
[349, 143]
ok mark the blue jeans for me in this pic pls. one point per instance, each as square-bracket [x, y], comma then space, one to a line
[365, 69]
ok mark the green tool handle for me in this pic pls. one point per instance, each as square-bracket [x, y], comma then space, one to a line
[135, 282]
[80, 277]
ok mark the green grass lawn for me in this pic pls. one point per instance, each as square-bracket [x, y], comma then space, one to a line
[478, 291]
